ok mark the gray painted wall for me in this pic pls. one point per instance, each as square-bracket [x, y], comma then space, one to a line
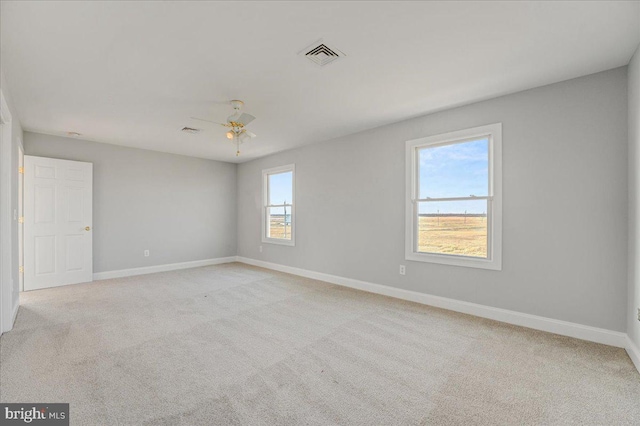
[633, 325]
[180, 208]
[565, 204]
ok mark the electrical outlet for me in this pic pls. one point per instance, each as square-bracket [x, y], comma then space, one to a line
[260, 249]
[146, 253]
[402, 270]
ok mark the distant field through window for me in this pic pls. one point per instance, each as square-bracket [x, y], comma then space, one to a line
[452, 216]
[278, 209]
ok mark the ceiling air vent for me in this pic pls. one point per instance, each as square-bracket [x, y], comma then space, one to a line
[190, 130]
[321, 54]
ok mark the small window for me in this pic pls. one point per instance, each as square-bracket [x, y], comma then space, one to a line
[278, 223]
[454, 198]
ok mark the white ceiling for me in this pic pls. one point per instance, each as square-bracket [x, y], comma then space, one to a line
[132, 73]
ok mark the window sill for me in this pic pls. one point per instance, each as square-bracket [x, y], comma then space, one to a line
[280, 242]
[454, 260]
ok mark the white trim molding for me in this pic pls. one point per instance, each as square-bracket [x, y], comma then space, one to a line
[161, 268]
[634, 353]
[15, 312]
[564, 328]
[7, 307]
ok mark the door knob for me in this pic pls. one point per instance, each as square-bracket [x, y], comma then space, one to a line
[87, 228]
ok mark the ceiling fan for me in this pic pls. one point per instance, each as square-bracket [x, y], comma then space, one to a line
[236, 124]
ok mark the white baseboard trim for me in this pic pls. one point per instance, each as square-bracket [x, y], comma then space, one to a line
[564, 328]
[161, 268]
[634, 353]
[15, 314]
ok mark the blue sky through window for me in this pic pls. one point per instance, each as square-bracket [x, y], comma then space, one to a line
[281, 190]
[456, 170]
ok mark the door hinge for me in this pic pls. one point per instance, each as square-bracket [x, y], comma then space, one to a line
[21, 170]
[21, 219]
[21, 269]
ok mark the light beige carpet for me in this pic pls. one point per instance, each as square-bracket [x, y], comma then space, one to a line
[234, 344]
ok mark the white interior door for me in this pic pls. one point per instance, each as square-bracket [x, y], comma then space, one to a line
[58, 203]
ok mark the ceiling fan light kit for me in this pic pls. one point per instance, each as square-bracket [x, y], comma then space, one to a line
[236, 123]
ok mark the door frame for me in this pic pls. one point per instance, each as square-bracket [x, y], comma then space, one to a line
[20, 216]
[6, 238]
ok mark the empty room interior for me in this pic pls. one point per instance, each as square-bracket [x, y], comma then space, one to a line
[320, 213]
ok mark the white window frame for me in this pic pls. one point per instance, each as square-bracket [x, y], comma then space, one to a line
[266, 205]
[494, 205]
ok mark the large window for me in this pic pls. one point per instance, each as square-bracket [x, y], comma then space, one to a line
[454, 198]
[278, 193]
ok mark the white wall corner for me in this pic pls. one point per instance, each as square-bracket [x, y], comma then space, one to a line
[564, 328]
[161, 268]
[634, 353]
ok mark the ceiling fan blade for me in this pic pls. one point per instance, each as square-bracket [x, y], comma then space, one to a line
[208, 121]
[245, 135]
[233, 117]
[245, 118]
